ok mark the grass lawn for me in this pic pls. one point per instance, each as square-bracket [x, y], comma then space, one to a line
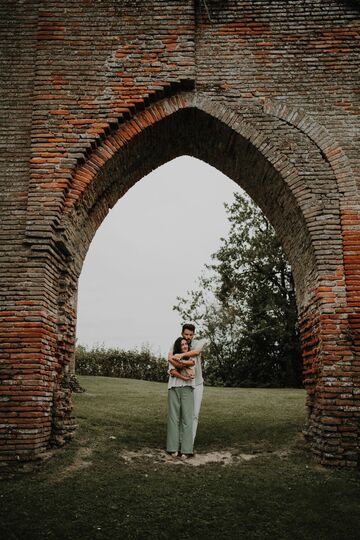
[253, 478]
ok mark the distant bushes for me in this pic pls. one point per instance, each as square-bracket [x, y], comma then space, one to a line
[136, 364]
[144, 365]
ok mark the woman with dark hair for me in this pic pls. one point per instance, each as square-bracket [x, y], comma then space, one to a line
[180, 405]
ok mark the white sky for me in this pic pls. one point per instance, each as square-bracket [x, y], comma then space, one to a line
[150, 249]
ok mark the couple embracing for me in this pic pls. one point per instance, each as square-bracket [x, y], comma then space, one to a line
[185, 392]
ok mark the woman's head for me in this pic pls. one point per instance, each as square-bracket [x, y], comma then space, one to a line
[180, 346]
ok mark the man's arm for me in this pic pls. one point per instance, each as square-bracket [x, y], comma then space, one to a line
[177, 362]
[189, 354]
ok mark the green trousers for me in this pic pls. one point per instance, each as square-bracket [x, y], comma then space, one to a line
[180, 419]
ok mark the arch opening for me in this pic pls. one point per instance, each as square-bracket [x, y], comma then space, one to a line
[151, 248]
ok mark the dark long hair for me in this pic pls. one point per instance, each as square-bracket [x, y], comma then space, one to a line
[177, 345]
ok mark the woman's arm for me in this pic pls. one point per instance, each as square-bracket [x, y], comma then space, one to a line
[179, 362]
[175, 373]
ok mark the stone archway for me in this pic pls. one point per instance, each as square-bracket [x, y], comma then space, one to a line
[91, 129]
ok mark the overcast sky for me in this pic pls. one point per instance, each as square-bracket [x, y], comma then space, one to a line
[150, 249]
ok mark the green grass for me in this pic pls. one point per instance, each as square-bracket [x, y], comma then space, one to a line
[112, 480]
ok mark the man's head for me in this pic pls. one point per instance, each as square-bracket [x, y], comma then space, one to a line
[188, 331]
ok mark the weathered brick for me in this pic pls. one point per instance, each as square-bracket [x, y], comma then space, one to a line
[94, 97]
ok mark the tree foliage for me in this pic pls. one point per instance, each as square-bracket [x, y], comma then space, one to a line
[245, 305]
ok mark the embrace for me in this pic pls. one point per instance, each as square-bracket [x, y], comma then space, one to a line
[185, 391]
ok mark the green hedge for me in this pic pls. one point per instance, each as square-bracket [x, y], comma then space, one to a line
[136, 364]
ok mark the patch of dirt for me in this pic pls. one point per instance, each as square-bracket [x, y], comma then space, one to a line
[201, 459]
[82, 458]
[226, 457]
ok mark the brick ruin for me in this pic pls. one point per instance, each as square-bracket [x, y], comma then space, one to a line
[95, 95]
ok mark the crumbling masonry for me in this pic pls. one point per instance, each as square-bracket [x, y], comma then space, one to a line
[94, 95]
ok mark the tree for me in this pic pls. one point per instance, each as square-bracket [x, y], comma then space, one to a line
[245, 305]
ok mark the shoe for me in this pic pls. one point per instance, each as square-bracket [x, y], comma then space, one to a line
[186, 457]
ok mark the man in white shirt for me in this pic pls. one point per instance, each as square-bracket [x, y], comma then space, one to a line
[179, 361]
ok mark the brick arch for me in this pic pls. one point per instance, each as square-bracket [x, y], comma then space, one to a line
[268, 88]
[84, 198]
[330, 148]
[349, 203]
[181, 125]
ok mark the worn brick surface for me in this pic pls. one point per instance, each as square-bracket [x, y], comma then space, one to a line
[94, 95]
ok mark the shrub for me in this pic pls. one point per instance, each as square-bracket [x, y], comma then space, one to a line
[135, 364]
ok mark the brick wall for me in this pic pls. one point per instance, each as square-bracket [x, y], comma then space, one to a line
[96, 95]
